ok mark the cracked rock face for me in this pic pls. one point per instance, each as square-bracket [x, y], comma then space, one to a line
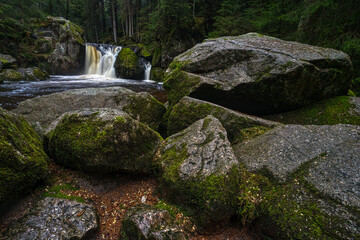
[199, 170]
[284, 149]
[260, 75]
[57, 219]
[146, 222]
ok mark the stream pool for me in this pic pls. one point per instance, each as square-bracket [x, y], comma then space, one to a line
[12, 93]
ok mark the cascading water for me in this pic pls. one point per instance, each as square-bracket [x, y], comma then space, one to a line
[147, 70]
[100, 60]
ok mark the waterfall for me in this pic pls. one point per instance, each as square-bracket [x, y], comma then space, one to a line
[100, 59]
[147, 70]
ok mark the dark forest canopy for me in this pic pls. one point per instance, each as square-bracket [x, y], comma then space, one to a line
[328, 23]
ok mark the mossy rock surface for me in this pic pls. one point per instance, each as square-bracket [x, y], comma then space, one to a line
[260, 75]
[7, 61]
[23, 162]
[42, 111]
[159, 224]
[157, 74]
[11, 75]
[103, 140]
[239, 126]
[300, 182]
[127, 65]
[342, 109]
[199, 171]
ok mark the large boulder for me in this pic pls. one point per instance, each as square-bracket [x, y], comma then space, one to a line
[147, 222]
[42, 111]
[239, 126]
[53, 218]
[257, 74]
[68, 40]
[199, 171]
[283, 150]
[127, 65]
[23, 162]
[102, 140]
[341, 109]
[312, 173]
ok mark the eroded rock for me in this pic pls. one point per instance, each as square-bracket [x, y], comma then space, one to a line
[58, 219]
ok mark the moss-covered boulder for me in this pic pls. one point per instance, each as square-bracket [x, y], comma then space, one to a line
[147, 222]
[43, 45]
[42, 111]
[342, 109]
[103, 140]
[239, 126]
[11, 75]
[157, 74]
[7, 61]
[304, 181]
[23, 74]
[23, 162]
[199, 171]
[258, 74]
[127, 65]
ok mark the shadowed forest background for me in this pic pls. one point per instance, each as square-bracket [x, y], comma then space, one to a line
[169, 27]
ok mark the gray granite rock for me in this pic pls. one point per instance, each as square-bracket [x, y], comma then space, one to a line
[7, 61]
[42, 111]
[199, 171]
[258, 74]
[56, 219]
[146, 222]
[284, 149]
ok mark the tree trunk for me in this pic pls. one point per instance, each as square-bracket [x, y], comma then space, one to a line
[114, 19]
[67, 9]
[103, 16]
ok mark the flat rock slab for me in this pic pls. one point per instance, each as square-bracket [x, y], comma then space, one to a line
[190, 110]
[284, 149]
[337, 173]
[147, 222]
[258, 74]
[56, 219]
[42, 111]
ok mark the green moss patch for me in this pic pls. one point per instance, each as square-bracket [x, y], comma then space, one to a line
[23, 162]
[63, 191]
[327, 112]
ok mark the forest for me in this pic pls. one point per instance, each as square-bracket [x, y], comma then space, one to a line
[163, 24]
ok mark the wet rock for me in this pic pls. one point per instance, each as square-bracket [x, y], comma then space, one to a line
[42, 111]
[7, 61]
[54, 218]
[147, 222]
[23, 162]
[257, 74]
[11, 75]
[237, 125]
[23, 74]
[127, 65]
[103, 140]
[199, 171]
[67, 38]
[342, 109]
[283, 150]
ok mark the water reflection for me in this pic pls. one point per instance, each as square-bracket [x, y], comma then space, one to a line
[12, 93]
